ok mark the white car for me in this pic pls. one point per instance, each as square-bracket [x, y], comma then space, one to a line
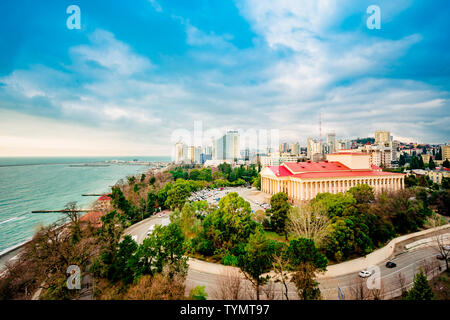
[150, 230]
[365, 273]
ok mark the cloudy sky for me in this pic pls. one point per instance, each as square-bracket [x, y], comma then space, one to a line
[138, 70]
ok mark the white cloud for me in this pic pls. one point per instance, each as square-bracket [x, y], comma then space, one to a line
[108, 52]
[156, 5]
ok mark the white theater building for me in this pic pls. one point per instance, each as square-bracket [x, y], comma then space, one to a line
[340, 172]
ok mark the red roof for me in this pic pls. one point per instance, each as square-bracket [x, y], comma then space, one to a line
[297, 167]
[344, 174]
[280, 171]
[104, 198]
[324, 170]
[374, 167]
[94, 217]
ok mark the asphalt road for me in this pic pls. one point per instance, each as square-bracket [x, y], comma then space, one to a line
[139, 230]
[210, 275]
[407, 265]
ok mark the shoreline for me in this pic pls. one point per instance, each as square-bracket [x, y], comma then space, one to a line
[9, 253]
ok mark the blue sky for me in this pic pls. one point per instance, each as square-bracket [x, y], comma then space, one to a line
[138, 70]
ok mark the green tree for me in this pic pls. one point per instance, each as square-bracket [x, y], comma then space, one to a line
[334, 203]
[362, 193]
[257, 260]
[303, 250]
[420, 162]
[198, 293]
[306, 260]
[194, 174]
[411, 181]
[431, 164]
[304, 279]
[178, 194]
[164, 246]
[421, 289]
[445, 183]
[152, 201]
[121, 268]
[278, 213]
[225, 168]
[257, 182]
[446, 163]
[402, 160]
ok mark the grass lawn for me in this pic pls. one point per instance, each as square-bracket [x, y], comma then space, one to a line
[441, 286]
[274, 236]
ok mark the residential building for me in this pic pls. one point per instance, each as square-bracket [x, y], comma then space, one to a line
[382, 137]
[445, 152]
[180, 152]
[314, 147]
[284, 148]
[379, 155]
[437, 175]
[295, 148]
[227, 147]
[331, 143]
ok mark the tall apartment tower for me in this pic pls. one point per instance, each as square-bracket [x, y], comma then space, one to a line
[284, 147]
[180, 152]
[227, 147]
[314, 149]
[445, 152]
[295, 148]
[382, 138]
[331, 142]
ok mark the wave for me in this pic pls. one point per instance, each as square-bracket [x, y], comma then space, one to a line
[11, 219]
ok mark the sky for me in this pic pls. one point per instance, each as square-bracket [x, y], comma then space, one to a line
[138, 71]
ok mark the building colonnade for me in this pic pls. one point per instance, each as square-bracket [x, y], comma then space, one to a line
[306, 189]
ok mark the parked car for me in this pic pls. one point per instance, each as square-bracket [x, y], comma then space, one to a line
[365, 273]
[440, 257]
[390, 264]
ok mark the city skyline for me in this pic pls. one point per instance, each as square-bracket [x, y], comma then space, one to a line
[116, 88]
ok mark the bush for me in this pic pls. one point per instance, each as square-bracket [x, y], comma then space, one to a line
[230, 260]
[198, 293]
[205, 247]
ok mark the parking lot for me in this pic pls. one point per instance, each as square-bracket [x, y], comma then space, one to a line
[253, 196]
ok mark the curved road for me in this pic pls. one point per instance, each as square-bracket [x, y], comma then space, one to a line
[211, 275]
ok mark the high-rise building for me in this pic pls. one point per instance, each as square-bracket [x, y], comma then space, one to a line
[227, 147]
[295, 148]
[191, 154]
[382, 137]
[284, 147]
[331, 142]
[445, 152]
[380, 155]
[232, 145]
[197, 153]
[180, 153]
[395, 150]
[314, 149]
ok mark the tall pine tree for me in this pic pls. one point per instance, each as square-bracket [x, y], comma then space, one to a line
[421, 289]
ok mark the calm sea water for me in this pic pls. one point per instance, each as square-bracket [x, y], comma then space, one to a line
[28, 184]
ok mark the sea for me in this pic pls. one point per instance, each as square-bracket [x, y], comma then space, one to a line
[29, 184]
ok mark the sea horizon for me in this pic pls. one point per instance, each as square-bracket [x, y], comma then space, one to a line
[48, 183]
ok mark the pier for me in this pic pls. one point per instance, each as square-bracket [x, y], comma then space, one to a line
[61, 211]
